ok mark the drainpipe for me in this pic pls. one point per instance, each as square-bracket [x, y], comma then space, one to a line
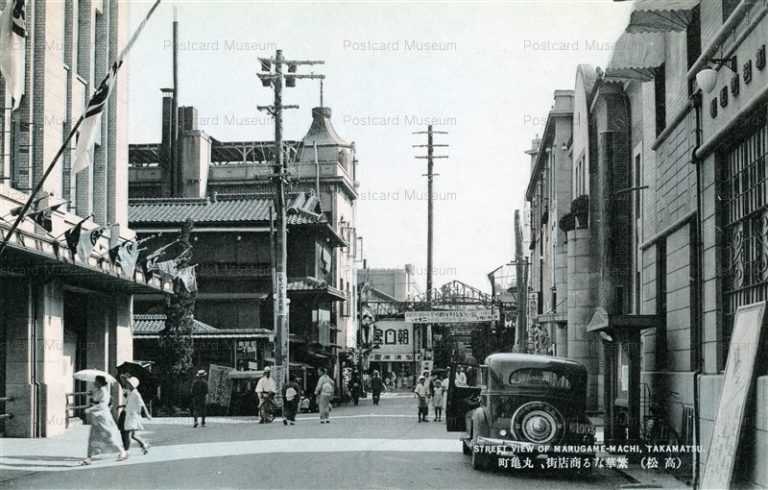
[697, 103]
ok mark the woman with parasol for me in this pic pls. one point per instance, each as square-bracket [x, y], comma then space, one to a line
[104, 436]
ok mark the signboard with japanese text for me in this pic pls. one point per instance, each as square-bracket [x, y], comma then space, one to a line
[394, 338]
[219, 385]
[453, 316]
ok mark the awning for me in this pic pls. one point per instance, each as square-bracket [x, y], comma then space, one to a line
[636, 56]
[602, 321]
[661, 15]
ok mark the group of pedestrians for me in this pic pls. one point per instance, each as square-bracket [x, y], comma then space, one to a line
[105, 434]
[430, 390]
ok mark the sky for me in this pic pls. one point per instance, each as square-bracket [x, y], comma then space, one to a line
[484, 72]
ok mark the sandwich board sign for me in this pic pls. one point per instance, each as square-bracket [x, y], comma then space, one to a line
[739, 374]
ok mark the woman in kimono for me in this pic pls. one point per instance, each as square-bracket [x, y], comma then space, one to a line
[324, 392]
[104, 436]
[134, 406]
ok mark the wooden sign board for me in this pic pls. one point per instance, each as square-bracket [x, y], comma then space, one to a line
[219, 385]
[739, 374]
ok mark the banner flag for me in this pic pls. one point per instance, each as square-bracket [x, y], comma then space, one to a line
[126, 254]
[187, 278]
[13, 32]
[81, 242]
[91, 125]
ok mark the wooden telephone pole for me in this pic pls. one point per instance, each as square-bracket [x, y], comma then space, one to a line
[272, 75]
[430, 157]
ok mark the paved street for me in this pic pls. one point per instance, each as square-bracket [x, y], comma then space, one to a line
[362, 448]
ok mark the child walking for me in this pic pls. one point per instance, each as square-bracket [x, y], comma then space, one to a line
[134, 406]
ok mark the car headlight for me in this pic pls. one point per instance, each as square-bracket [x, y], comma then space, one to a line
[503, 432]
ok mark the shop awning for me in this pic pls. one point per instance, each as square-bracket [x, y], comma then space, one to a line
[602, 321]
[636, 56]
[661, 15]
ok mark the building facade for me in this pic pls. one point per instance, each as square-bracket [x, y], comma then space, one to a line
[322, 163]
[666, 225]
[549, 195]
[62, 311]
[231, 250]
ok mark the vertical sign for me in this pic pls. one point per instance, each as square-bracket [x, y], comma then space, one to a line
[219, 385]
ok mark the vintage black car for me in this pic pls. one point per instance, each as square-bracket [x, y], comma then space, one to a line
[522, 405]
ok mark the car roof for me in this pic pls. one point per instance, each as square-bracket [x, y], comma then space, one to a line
[534, 360]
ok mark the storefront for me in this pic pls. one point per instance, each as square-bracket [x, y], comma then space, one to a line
[59, 314]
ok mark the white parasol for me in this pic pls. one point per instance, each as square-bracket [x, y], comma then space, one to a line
[91, 374]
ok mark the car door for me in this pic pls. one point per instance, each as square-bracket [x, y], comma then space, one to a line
[460, 399]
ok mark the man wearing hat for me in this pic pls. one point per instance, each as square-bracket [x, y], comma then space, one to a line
[265, 389]
[199, 396]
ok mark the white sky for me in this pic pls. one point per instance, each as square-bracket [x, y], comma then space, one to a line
[490, 83]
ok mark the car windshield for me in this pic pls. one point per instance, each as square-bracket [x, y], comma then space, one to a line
[508, 377]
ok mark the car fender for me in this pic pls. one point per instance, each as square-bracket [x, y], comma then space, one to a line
[480, 427]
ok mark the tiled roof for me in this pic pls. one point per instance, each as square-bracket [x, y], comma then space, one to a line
[151, 326]
[303, 208]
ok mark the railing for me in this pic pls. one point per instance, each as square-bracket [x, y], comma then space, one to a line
[6, 415]
[233, 269]
[73, 406]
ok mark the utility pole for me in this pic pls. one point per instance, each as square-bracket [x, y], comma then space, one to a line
[272, 76]
[430, 157]
[522, 287]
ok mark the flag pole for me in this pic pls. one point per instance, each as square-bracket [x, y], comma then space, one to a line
[72, 132]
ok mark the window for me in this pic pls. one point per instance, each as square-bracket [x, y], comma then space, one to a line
[744, 221]
[660, 93]
[529, 377]
[693, 37]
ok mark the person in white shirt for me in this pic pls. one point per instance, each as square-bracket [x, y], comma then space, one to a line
[461, 377]
[265, 390]
[134, 407]
[422, 394]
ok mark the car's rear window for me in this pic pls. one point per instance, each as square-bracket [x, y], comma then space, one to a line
[529, 378]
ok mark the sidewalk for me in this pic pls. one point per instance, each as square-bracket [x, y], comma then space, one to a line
[637, 476]
[63, 451]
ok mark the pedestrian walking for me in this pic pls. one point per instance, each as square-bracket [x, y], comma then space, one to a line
[291, 397]
[104, 435]
[355, 387]
[437, 398]
[377, 386]
[134, 410]
[422, 394]
[428, 384]
[324, 392]
[199, 397]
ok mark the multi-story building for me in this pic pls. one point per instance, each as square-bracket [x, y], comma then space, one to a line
[59, 311]
[549, 195]
[231, 247]
[321, 164]
[667, 222]
[388, 283]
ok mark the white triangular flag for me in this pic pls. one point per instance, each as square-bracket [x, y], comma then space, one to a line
[13, 31]
[91, 124]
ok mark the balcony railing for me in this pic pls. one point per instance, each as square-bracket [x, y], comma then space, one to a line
[232, 269]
